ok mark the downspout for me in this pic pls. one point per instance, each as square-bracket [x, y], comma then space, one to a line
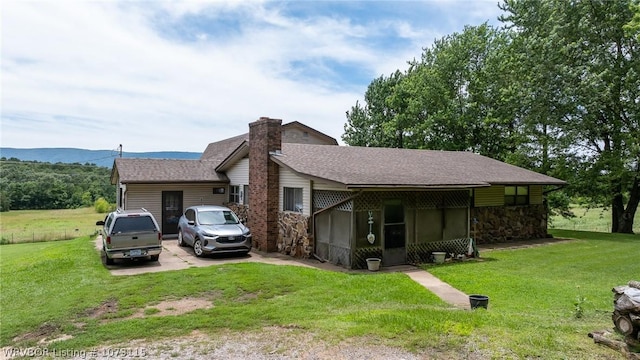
[313, 219]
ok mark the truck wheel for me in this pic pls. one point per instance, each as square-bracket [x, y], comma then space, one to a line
[107, 260]
[197, 247]
[155, 257]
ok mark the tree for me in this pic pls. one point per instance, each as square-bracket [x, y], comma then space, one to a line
[580, 75]
[376, 123]
[454, 98]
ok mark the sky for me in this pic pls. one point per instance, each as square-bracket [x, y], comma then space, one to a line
[176, 76]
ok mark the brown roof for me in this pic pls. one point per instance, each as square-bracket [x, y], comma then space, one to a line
[218, 151]
[330, 140]
[387, 167]
[132, 170]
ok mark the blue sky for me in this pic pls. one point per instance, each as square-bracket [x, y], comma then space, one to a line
[175, 76]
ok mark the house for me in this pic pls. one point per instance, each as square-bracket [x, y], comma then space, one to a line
[304, 195]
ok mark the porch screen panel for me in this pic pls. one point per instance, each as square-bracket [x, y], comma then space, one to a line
[456, 223]
[322, 226]
[428, 225]
[339, 245]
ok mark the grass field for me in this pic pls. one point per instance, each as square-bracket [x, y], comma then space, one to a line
[43, 225]
[594, 219]
[535, 294]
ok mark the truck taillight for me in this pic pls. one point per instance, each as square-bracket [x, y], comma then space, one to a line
[159, 236]
[109, 240]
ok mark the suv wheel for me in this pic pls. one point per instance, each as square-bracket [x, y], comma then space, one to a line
[197, 247]
[180, 239]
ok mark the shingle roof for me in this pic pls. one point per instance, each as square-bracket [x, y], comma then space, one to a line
[132, 170]
[386, 167]
[218, 151]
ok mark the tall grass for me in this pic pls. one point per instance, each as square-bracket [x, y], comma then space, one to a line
[45, 225]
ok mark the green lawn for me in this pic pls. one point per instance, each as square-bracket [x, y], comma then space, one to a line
[533, 293]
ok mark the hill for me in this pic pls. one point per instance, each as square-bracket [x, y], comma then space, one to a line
[103, 158]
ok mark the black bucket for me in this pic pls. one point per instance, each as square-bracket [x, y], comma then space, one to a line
[477, 301]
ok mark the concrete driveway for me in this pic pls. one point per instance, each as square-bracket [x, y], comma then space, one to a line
[174, 257]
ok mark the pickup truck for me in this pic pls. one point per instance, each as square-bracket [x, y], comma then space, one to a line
[130, 234]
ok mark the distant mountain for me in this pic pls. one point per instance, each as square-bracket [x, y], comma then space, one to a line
[99, 157]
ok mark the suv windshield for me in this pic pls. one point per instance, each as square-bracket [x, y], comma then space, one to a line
[216, 217]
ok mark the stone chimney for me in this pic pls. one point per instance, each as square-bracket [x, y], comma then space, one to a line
[265, 137]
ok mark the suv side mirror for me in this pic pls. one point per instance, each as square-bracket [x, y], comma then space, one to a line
[100, 222]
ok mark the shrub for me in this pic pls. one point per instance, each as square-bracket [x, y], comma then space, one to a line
[102, 206]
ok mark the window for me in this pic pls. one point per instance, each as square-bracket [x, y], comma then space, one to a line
[234, 194]
[292, 199]
[516, 195]
[190, 214]
[245, 199]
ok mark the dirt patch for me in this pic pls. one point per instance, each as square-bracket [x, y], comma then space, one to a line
[269, 343]
[106, 308]
[173, 307]
[43, 332]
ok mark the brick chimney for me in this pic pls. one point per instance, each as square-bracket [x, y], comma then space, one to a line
[265, 136]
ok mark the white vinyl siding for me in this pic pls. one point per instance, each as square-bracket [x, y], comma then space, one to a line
[329, 186]
[149, 196]
[238, 176]
[290, 180]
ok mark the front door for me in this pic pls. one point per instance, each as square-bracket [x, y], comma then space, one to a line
[395, 251]
[171, 211]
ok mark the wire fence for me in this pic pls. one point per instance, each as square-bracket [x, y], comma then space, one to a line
[49, 235]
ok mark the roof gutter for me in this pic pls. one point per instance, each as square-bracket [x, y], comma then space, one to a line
[417, 187]
[558, 187]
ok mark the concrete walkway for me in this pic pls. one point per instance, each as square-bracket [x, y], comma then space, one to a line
[443, 290]
[174, 257]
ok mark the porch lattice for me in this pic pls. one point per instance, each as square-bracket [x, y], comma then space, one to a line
[325, 198]
[421, 253]
[361, 255]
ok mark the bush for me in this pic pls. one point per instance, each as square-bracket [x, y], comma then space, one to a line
[102, 206]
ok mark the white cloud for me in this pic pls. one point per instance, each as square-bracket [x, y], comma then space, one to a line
[97, 74]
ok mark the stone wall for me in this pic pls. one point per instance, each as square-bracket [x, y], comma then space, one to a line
[499, 224]
[241, 210]
[293, 237]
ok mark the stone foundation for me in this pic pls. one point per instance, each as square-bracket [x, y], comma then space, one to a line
[498, 224]
[293, 236]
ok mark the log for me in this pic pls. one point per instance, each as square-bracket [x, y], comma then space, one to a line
[599, 337]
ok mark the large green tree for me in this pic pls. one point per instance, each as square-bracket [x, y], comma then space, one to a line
[579, 72]
[375, 122]
[454, 98]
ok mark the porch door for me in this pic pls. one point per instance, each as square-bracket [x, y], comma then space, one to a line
[395, 250]
[171, 211]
